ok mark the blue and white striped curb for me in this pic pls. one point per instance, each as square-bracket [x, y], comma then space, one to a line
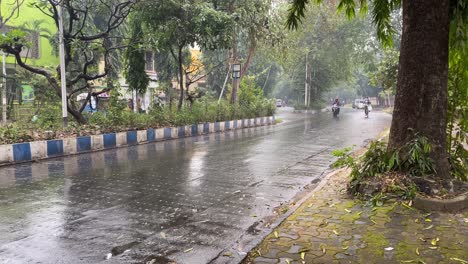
[36, 150]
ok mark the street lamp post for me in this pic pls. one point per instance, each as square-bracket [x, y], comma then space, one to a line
[4, 86]
[236, 74]
[63, 78]
[306, 84]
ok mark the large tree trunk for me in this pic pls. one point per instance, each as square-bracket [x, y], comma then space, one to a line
[421, 96]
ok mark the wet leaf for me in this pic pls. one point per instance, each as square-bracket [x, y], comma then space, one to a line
[188, 250]
[303, 255]
[459, 260]
[407, 206]
[429, 227]
[276, 234]
[417, 251]
[322, 247]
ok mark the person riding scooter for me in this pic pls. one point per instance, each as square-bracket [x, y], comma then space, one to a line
[336, 107]
[367, 106]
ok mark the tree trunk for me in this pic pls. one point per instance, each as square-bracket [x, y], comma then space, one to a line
[421, 96]
[181, 80]
[77, 115]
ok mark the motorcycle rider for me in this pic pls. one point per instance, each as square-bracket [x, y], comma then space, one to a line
[336, 107]
[337, 102]
[367, 103]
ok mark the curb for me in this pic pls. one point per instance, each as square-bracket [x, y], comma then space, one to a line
[39, 150]
[449, 205]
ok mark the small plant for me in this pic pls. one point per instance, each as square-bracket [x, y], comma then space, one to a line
[345, 158]
[380, 170]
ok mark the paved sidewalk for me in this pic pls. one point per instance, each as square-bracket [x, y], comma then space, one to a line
[331, 227]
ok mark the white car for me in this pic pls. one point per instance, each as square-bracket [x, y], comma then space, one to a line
[279, 102]
[358, 103]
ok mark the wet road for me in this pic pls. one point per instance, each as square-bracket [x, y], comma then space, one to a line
[186, 200]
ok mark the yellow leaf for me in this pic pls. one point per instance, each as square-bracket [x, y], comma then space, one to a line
[227, 254]
[188, 250]
[373, 221]
[459, 260]
[288, 261]
[428, 220]
[433, 247]
[258, 252]
[276, 234]
[417, 251]
[347, 210]
[429, 227]
[302, 255]
[336, 232]
[323, 248]
[345, 247]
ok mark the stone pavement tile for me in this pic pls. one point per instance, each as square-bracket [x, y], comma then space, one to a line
[331, 227]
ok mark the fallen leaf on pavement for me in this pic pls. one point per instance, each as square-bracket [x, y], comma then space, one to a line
[459, 260]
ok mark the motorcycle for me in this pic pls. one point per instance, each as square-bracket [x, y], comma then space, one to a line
[367, 109]
[335, 110]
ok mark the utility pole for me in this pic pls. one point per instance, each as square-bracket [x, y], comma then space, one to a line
[4, 86]
[63, 78]
[306, 98]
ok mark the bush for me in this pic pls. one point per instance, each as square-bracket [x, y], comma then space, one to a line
[401, 165]
[13, 134]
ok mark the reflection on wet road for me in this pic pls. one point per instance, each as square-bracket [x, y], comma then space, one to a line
[184, 199]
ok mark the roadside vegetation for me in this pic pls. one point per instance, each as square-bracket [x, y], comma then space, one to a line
[118, 117]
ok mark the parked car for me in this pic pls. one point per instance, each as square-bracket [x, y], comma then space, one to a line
[279, 102]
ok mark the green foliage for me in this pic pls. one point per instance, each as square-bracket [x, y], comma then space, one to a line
[386, 73]
[13, 134]
[49, 117]
[345, 159]
[135, 71]
[457, 115]
[411, 160]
